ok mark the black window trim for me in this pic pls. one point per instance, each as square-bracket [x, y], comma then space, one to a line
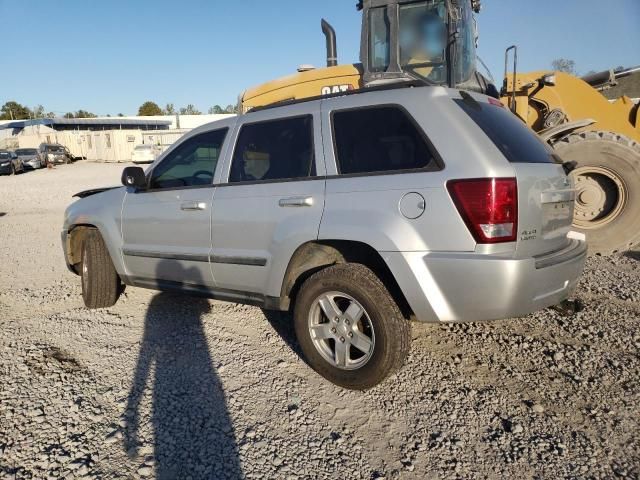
[277, 180]
[188, 187]
[467, 102]
[432, 149]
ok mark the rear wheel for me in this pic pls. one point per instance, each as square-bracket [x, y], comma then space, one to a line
[349, 327]
[100, 281]
[607, 181]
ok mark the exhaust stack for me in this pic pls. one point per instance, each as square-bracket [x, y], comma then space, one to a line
[332, 49]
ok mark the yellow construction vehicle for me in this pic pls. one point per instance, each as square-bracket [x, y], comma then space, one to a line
[434, 42]
[601, 137]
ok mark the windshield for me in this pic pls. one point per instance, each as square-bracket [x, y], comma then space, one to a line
[4, 155]
[423, 39]
[54, 149]
[143, 147]
[26, 151]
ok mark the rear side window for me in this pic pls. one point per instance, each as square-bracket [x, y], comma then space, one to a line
[380, 139]
[512, 137]
[274, 150]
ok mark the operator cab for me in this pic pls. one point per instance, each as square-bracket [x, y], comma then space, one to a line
[433, 41]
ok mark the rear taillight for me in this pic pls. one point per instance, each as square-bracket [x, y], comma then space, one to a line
[489, 207]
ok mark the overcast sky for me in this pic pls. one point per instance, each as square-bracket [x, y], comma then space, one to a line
[109, 57]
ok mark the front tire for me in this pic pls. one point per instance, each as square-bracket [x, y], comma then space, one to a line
[100, 281]
[607, 179]
[349, 327]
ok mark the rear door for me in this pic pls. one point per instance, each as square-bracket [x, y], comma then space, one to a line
[545, 193]
[273, 200]
[167, 229]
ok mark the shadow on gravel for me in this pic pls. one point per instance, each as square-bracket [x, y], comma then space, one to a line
[193, 435]
[282, 324]
[633, 255]
[2, 214]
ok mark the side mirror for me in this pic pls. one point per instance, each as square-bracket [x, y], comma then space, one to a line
[134, 177]
[549, 80]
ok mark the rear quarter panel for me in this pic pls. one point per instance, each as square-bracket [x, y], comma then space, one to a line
[366, 208]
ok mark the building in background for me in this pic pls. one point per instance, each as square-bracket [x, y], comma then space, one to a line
[106, 139]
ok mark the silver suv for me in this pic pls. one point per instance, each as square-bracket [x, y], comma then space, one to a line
[358, 213]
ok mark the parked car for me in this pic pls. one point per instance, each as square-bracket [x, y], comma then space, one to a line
[145, 153]
[10, 164]
[54, 153]
[29, 158]
[357, 212]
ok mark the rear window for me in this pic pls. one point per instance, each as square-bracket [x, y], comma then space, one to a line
[380, 139]
[512, 137]
[274, 150]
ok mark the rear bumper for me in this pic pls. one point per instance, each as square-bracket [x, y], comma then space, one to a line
[461, 287]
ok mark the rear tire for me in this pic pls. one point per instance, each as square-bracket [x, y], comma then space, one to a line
[607, 180]
[100, 281]
[370, 331]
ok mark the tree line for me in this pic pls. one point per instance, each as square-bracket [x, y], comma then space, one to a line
[13, 110]
[152, 109]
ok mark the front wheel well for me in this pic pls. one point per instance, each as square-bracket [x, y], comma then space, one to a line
[312, 257]
[75, 240]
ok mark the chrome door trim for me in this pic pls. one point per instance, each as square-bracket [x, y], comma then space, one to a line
[251, 261]
[166, 256]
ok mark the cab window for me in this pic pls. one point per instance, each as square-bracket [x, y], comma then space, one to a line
[274, 150]
[191, 164]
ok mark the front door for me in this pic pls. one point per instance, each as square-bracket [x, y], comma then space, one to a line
[272, 202]
[167, 228]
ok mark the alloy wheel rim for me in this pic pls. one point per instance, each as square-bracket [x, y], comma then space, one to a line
[341, 330]
[600, 197]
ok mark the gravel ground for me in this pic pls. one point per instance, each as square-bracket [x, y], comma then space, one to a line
[162, 386]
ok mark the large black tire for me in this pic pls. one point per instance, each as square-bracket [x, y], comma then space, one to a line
[100, 281]
[607, 180]
[392, 330]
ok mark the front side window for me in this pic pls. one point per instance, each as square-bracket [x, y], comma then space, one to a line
[191, 164]
[465, 45]
[379, 139]
[274, 150]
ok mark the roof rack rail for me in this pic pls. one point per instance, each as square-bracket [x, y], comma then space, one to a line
[377, 88]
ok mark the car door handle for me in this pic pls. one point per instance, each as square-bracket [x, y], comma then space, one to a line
[296, 202]
[193, 206]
